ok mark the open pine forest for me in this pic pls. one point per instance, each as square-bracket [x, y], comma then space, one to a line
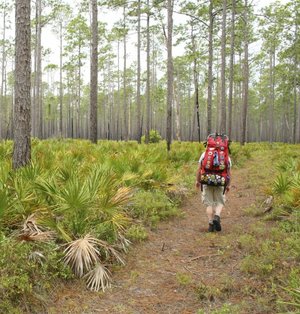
[105, 109]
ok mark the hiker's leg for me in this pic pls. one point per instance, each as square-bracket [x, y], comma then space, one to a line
[219, 199]
[210, 213]
[207, 199]
[219, 209]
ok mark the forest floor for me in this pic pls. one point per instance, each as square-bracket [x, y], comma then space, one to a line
[181, 268]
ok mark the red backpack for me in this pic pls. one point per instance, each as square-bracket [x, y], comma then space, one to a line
[215, 164]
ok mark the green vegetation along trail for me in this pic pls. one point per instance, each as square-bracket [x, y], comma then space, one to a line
[180, 268]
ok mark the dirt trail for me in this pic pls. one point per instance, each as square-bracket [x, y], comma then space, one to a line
[162, 274]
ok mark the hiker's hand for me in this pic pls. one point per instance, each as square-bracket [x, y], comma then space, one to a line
[227, 189]
[197, 185]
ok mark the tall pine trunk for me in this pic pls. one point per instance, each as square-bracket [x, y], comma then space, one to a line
[295, 87]
[223, 67]
[125, 78]
[3, 70]
[60, 79]
[147, 135]
[22, 123]
[231, 73]
[210, 63]
[196, 85]
[138, 87]
[246, 75]
[169, 74]
[94, 74]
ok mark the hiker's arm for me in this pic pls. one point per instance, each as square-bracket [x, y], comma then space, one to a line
[198, 176]
[229, 174]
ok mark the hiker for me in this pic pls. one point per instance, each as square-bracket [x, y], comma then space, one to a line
[213, 176]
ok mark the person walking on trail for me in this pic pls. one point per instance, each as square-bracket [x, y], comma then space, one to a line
[213, 176]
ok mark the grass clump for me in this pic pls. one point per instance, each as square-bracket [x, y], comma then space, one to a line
[271, 254]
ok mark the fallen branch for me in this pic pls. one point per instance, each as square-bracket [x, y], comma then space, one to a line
[202, 256]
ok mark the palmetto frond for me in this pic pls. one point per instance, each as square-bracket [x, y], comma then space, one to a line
[98, 278]
[82, 254]
[122, 196]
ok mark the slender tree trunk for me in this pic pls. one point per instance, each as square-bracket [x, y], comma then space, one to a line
[125, 79]
[147, 135]
[295, 87]
[39, 120]
[223, 67]
[78, 131]
[138, 92]
[94, 74]
[245, 74]
[196, 85]
[60, 79]
[119, 96]
[271, 100]
[22, 125]
[177, 112]
[210, 63]
[231, 73]
[169, 74]
[2, 101]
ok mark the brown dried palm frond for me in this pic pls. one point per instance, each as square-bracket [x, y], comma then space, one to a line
[82, 254]
[31, 231]
[98, 278]
[111, 252]
[37, 257]
[43, 236]
[124, 243]
[30, 225]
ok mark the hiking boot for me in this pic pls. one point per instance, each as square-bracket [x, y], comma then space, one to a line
[217, 223]
[211, 227]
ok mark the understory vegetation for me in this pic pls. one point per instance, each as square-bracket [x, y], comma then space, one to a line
[74, 212]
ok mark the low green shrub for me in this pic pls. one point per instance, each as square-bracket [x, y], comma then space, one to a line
[153, 206]
[136, 233]
[26, 272]
[154, 137]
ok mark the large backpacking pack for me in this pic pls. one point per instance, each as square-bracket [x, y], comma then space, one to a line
[215, 164]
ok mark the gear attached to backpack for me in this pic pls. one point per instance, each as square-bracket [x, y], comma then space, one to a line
[215, 164]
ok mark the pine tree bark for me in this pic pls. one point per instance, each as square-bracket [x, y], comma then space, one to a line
[231, 73]
[246, 75]
[125, 78]
[3, 70]
[196, 85]
[94, 74]
[138, 92]
[147, 135]
[170, 4]
[22, 123]
[38, 74]
[210, 63]
[223, 67]
[295, 87]
[60, 79]
[271, 97]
